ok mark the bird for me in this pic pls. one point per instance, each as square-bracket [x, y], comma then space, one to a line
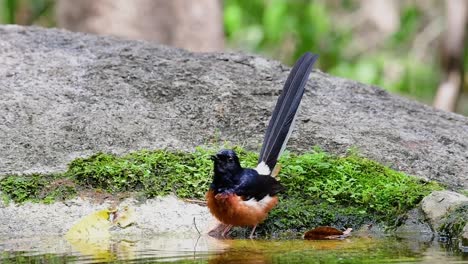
[240, 196]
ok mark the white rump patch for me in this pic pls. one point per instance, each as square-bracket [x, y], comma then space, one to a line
[252, 202]
[263, 169]
[265, 201]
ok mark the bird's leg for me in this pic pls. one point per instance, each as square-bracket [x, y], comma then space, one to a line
[226, 230]
[252, 233]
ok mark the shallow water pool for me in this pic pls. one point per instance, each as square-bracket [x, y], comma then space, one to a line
[209, 250]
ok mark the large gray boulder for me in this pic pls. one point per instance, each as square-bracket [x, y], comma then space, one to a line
[64, 95]
[439, 204]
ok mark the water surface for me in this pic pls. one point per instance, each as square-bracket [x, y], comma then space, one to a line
[209, 250]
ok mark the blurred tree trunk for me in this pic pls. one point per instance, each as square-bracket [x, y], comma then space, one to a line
[193, 25]
[452, 55]
[384, 14]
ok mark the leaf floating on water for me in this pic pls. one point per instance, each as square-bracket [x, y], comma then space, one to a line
[326, 233]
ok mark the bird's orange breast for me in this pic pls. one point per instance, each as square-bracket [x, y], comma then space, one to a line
[231, 209]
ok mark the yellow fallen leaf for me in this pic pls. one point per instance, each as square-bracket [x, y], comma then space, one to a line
[91, 235]
[95, 225]
[124, 217]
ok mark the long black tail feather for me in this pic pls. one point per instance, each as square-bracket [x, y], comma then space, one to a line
[284, 113]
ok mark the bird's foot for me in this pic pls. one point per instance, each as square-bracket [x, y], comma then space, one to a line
[220, 231]
[226, 231]
[252, 236]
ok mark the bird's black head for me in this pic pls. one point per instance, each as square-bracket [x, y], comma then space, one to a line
[226, 162]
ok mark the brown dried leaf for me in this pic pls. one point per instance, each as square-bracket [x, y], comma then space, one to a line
[326, 233]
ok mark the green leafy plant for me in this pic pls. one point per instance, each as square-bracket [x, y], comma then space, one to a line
[36, 187]
[22, 188]
[158, 172]
[323, 189]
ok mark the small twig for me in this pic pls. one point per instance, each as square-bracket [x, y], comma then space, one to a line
[195, 247]
[199, 202]
[196, 228]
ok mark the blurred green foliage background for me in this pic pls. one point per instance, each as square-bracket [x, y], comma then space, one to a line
[285, 29]
[400, 62]
[27, 12]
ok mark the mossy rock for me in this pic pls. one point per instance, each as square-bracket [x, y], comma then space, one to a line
[454, 222]
[321, 189]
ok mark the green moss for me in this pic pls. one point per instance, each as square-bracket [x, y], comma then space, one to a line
[464, 192]
[320, 188]
[156, 173]
[36, 188]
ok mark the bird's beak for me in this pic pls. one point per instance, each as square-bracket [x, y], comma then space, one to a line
[214, 158]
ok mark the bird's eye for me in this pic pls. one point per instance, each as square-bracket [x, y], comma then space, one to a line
[230, 159]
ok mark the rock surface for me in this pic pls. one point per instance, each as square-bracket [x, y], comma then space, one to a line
[465, 237]
[65, 95]
[155, 216]
[440, 203]
[414, 226]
